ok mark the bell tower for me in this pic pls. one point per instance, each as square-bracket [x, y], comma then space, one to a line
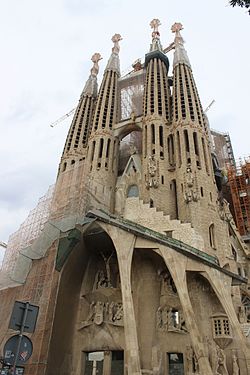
[156, 125]
[196, 190]
[103, 145]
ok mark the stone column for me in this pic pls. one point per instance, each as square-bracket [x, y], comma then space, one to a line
[124, 245]
[176, 266]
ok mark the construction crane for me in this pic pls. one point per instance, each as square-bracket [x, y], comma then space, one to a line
[209, 106]
[70, 113]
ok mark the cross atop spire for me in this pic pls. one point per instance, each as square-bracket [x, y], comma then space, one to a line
[180, 54]
[116, 39]
[95, 68]
[156, 44]
[114, 63]
[90, 87]
[155, 23]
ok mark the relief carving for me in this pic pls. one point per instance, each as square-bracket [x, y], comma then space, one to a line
[153, 173]
[104, 312]
[236, 369]
[190, 186]
[103, 278]
[221, 367]
[170, 319]
[192, 361]
[167, 283]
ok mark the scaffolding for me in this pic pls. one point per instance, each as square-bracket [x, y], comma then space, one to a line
[29, 230]
[239, 182]
[223, 149]
[130, 91]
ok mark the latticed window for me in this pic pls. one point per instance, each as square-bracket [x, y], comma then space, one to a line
[226, 327]
[217, 327]
[221, 326]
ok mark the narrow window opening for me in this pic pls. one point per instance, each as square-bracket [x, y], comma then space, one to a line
[161, 135]
[202, 191]
[162, 180]
[108, 147]
[101, 147]
[93, 151]
[196, 149]
[205, 155]
[151, 203]
[64, 167]
[212, 236]
[186, 140]
[179, 148]
[153, 133]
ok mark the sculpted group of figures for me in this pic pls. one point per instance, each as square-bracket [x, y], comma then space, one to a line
[217, 359]
[104, 312]
[170, 319]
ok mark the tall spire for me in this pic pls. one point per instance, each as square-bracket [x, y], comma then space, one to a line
[156, 43]
[80, 128]
[114, 62]
[90, 88]
[180, 54]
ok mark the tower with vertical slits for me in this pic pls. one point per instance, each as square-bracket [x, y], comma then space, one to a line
[139, 269]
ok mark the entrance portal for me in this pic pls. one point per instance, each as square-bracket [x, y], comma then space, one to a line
[175, 364]
[104, 363]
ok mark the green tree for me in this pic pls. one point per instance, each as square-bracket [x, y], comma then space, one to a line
[241, 3]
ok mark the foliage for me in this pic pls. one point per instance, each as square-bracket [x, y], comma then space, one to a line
[241, 3]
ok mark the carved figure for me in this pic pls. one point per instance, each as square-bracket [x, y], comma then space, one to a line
[119, 312]
[191, 190]
[189, 358]
[91, 312]
[98, 318]
[101, 280]
[212, 355]
[164, 316]
[108, 270]
[221, 367]
[110, 314]
[159, 317]
[182, 324]
[171, 320]
[242, 315]
[236, 369]
[167, 284]
[196, 364]
[152, 172]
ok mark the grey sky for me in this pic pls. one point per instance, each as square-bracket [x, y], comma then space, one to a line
[46, 48]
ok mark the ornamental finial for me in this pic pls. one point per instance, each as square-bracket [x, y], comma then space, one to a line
[95, 69]
[180, 54]
[154, 24]
[115, 39]
[176, 28]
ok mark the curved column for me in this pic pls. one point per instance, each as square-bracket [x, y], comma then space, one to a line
[124, 245]
[177, 267]
[221, 285]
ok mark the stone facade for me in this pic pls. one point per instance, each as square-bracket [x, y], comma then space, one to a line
[140, 269]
